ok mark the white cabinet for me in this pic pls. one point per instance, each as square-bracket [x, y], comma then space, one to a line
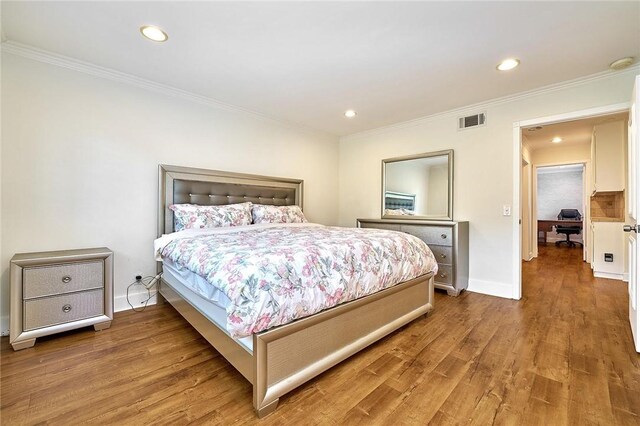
[608, 238]
[607, 155]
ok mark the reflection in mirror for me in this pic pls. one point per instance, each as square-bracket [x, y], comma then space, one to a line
[418, 186]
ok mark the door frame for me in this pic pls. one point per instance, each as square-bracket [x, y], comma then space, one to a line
[527, 200]
[586, 204]
[517, 178]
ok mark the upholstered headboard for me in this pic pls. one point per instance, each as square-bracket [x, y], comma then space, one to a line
[178, 185]
[399, 200]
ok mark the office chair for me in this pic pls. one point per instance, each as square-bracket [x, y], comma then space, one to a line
[569, 214]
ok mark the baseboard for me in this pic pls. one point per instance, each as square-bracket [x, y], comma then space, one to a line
[609, 275]
[137, 299]
[491, 288]
[625, 277]
[4, 325]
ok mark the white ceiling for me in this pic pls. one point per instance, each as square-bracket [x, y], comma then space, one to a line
[576, 132]
[307, 62]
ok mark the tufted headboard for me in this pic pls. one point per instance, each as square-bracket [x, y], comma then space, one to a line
[178, 185]
[399, 200]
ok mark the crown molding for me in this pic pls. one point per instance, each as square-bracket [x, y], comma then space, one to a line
[47, 57]
[44, 56]
[493, 102]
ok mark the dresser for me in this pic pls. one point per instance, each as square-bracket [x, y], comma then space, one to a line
[448, 240]
[57, 291]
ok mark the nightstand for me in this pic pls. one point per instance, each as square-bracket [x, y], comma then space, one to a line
[57, 291]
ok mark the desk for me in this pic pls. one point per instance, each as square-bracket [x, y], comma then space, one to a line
[547, 226]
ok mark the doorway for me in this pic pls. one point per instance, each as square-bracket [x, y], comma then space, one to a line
[559, 211]
[526, 160]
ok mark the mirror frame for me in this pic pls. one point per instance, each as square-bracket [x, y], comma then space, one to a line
[449, 154]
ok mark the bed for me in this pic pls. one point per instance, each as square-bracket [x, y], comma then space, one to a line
[281, 358]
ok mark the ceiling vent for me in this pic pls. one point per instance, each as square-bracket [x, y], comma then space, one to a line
[472, 121]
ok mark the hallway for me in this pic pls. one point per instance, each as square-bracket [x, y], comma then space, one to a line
[585, 353]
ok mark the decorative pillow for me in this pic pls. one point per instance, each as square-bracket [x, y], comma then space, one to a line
[399, 212]
[193, 216]
[277, 214]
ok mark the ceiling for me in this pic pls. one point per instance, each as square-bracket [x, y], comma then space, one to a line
[308, 62]
[576, 132]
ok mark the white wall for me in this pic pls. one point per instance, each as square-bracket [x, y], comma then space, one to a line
[80, 159]
[558, 154]
[438, 203]
[557, 191]
[409, 177]
[484, 162]
[4, 292]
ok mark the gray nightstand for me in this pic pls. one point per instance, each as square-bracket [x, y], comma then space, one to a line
[57, 291]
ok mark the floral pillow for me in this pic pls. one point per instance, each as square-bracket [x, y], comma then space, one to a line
[277, 214]
[193, 216]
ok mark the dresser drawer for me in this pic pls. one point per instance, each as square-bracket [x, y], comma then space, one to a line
[64, 278]
[438, 235]
[377, 225]
[61, 309]
[443, 254]
[444, 275]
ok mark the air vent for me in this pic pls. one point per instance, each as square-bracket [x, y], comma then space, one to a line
[472, 121]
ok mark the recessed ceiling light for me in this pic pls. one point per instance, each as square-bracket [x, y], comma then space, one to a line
[622, 63]
[557, 139]
[350, 113]
[508, 64]
[153, 33]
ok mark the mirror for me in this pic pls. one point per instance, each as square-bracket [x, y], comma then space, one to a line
[418, 186]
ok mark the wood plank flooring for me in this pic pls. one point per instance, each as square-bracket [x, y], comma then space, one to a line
[561, 355]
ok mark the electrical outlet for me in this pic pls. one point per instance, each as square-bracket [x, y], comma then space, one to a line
[608, 257]
[506, 210]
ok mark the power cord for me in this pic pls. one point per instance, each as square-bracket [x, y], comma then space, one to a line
[148, 282]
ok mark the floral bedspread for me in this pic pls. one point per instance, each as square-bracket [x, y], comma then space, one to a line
[276, 274]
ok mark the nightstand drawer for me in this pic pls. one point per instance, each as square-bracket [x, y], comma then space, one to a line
[47, 311]
[443, 254]
[64, 278]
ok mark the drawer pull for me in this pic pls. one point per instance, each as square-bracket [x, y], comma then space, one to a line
[66, 308]
[442, 275]
[442, 255]
[66, 279]
[443, 236]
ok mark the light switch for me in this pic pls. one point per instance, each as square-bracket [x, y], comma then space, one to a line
[506, 210]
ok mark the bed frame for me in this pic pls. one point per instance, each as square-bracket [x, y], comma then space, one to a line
[287, 356]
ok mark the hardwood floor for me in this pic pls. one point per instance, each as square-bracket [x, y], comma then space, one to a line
[561, 355]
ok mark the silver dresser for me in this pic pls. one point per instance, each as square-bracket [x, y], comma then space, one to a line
[58, 291]
[449, 242]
